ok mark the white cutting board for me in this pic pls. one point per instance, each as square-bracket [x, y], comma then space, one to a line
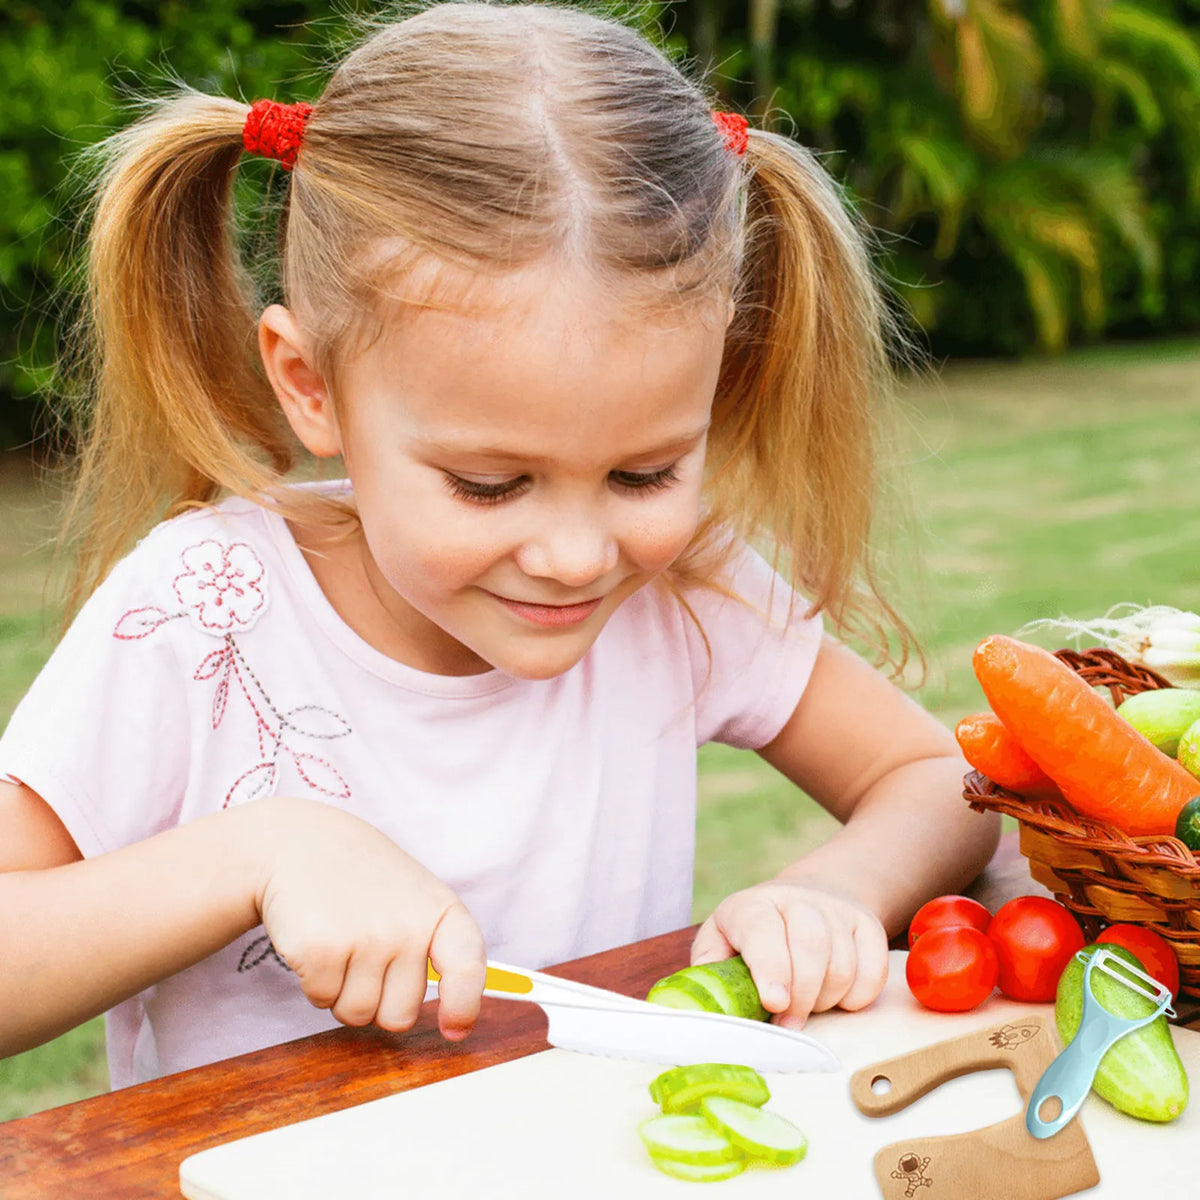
[560, 1124]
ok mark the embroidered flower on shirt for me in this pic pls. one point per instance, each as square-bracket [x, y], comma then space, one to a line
[223, 589]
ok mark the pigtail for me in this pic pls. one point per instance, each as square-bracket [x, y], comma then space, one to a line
[176, 406]
[796, 422]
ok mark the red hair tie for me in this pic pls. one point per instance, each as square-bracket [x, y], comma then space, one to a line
[735, 129]
[275, 130]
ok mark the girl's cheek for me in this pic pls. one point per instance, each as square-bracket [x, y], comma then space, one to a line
[661, 538]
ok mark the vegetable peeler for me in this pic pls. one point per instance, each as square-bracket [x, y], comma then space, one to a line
[596, 1021]
[1069, 1077]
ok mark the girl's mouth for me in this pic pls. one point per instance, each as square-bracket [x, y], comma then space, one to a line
[551, 614]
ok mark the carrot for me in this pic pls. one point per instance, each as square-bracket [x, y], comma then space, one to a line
[989, 747]
[1101, 764]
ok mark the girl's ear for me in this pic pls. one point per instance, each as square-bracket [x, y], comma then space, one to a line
[297, 384]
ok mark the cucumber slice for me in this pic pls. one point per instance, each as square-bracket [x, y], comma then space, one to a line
[694, 1174]
[720, 987]
[681, 1089]
[730, 984]
[689, 1140]
[678, 991]
[765, 1136]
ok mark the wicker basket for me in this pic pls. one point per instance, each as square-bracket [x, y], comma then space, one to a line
[1101, 874]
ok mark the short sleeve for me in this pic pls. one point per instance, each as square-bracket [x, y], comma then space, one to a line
[101, 735]
[755, 657]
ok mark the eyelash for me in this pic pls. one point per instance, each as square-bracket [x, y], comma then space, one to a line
[495, 493]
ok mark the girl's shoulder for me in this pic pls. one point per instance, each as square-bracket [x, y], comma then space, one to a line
[234, 516]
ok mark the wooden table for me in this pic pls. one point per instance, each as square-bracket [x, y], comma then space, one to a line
[128, 1145]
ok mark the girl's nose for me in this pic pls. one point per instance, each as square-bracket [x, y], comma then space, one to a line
[573, 549]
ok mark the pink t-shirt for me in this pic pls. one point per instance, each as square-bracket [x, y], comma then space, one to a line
[209, 669]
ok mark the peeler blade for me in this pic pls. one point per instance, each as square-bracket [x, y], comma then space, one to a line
[1134, 977]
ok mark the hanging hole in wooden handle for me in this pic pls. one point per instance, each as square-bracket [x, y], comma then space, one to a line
[1049, 1109]
[881, 1085]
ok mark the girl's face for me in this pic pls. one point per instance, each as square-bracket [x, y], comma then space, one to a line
[522, 466]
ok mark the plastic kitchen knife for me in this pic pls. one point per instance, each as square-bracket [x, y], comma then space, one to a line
[596, 1021]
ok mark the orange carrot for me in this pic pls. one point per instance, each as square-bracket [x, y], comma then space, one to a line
[989, 747]
[1101, 764]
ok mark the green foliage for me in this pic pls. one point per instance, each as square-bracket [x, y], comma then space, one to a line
[1025, 162]
[73, 73]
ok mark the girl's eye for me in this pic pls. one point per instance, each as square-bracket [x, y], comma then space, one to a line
[476, 492]
[484, 493]
[635, 481]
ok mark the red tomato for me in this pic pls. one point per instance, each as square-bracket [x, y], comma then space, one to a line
[952, 969]
[1034, 939]
[948, 910]
[1151, 950]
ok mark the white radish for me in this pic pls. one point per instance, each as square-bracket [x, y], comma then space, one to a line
[1165, 639]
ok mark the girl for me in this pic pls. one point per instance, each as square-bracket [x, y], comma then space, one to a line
[577, 342]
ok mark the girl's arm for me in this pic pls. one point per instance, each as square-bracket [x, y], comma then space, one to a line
[892, 774]
[80, 936]
[351, 913]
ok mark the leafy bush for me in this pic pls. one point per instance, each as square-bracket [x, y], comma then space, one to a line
[71, 72]
[1033, 166]
[1030, 161]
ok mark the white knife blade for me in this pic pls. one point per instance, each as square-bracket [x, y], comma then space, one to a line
[596, 1021]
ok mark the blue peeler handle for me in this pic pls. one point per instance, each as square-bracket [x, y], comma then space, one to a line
[1070, 1075]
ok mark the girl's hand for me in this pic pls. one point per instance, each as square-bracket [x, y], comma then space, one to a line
[808, 948]
[356, 918]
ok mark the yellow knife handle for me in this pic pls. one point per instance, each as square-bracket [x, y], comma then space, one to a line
[497, 980]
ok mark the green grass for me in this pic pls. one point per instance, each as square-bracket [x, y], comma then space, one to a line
[1042, 489]
[69, 1068]
[73, 1066]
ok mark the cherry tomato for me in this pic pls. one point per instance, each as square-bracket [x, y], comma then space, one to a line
[1034, 939]
[1151, 950]
[952, 968]
[948, 910]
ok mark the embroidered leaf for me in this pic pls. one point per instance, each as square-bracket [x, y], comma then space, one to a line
[212, 664]
[141, 622]
[316, 722]
[253, 785]
[220, 699]
[319, 774]
[258, 951]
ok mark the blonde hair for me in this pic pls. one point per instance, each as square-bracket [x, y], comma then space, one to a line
[486, 136]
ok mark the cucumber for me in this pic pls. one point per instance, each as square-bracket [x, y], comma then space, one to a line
[681, 1089]
[1141, 1074]
[722, 987]
[1162, 715]
[678, 992]
[1187, 824]
[1188, 750]
[689, 1140]
[695, 1174]
[728, 1130]
[763, 1136]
